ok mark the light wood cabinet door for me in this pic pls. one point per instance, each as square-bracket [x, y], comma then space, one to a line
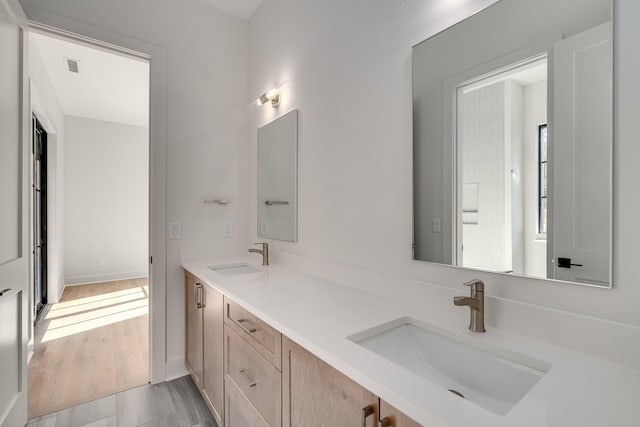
[315, 394]
[193, 312]
[391, 417]
[213, 340]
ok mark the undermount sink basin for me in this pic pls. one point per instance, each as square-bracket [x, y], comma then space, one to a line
[234, 269]
[491, 377]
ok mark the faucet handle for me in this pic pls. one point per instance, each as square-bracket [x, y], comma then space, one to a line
[264, 244]
[476, 285]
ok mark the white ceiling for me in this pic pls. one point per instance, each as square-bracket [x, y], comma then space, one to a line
[240, 8]
[531, 75]
[109, 86]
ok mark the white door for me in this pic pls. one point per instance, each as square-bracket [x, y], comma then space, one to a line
[582, 137]
[14, 290]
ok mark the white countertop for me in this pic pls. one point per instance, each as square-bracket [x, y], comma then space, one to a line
[579, 389]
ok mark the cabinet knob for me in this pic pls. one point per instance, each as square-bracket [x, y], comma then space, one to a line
[385, 422]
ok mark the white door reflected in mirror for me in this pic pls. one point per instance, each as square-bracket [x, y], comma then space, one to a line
[582, 186]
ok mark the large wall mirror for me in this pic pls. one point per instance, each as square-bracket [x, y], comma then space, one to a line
[277, 178]
[512, 112]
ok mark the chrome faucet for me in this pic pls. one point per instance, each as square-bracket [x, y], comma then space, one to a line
[476, 303]
[264, 252]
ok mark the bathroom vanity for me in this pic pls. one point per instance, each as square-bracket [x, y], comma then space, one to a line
[303, 350]
[267, 379]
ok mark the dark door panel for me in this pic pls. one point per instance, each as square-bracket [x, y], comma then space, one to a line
[39, 216]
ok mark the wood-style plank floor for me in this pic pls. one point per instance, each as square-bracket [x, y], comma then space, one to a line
[91, 344]
[177, 403]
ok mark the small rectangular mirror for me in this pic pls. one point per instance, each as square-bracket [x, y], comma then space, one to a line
[513, 135]
[278, 178]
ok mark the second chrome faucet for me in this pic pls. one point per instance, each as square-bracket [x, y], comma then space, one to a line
[475, 302]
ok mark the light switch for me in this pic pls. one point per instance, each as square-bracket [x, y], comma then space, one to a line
[175, 231]
[436, 225]
[101, 262]
[228, 229]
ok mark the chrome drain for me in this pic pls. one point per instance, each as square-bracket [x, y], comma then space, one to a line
[457, 393]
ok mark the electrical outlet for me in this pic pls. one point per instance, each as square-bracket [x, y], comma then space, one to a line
[436, 225]
[264, 228]
[175, 231]
[227, 229]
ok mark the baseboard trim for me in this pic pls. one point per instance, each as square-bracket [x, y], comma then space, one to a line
[99, 278]
[175, 369]
[60, 292]
[29, 351]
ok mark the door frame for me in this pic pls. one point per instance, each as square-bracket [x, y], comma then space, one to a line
[451, 131]
[80, 32]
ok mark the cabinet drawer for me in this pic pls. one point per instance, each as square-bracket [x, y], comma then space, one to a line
[239, 412]
[255, 376]
[266, 340]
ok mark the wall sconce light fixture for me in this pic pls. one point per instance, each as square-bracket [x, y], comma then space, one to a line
[273, 95]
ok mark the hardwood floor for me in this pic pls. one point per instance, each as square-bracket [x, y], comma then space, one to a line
[177, 403]
[91, 344]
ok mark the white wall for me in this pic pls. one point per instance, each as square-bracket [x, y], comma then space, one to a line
[106, 198]
[535, 114]
[45, 105]
[484, 144]
[350, 74]
[490, 139]
[206, 74]
[491, 150]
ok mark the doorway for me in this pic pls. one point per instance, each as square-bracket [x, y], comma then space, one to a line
[39, 150]
[91, 338]
[502, 161]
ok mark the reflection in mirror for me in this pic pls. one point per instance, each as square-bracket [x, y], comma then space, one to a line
[503, 186]
[512, 141]
[277, 178]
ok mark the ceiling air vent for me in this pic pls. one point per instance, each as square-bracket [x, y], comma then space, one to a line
[72, 65]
